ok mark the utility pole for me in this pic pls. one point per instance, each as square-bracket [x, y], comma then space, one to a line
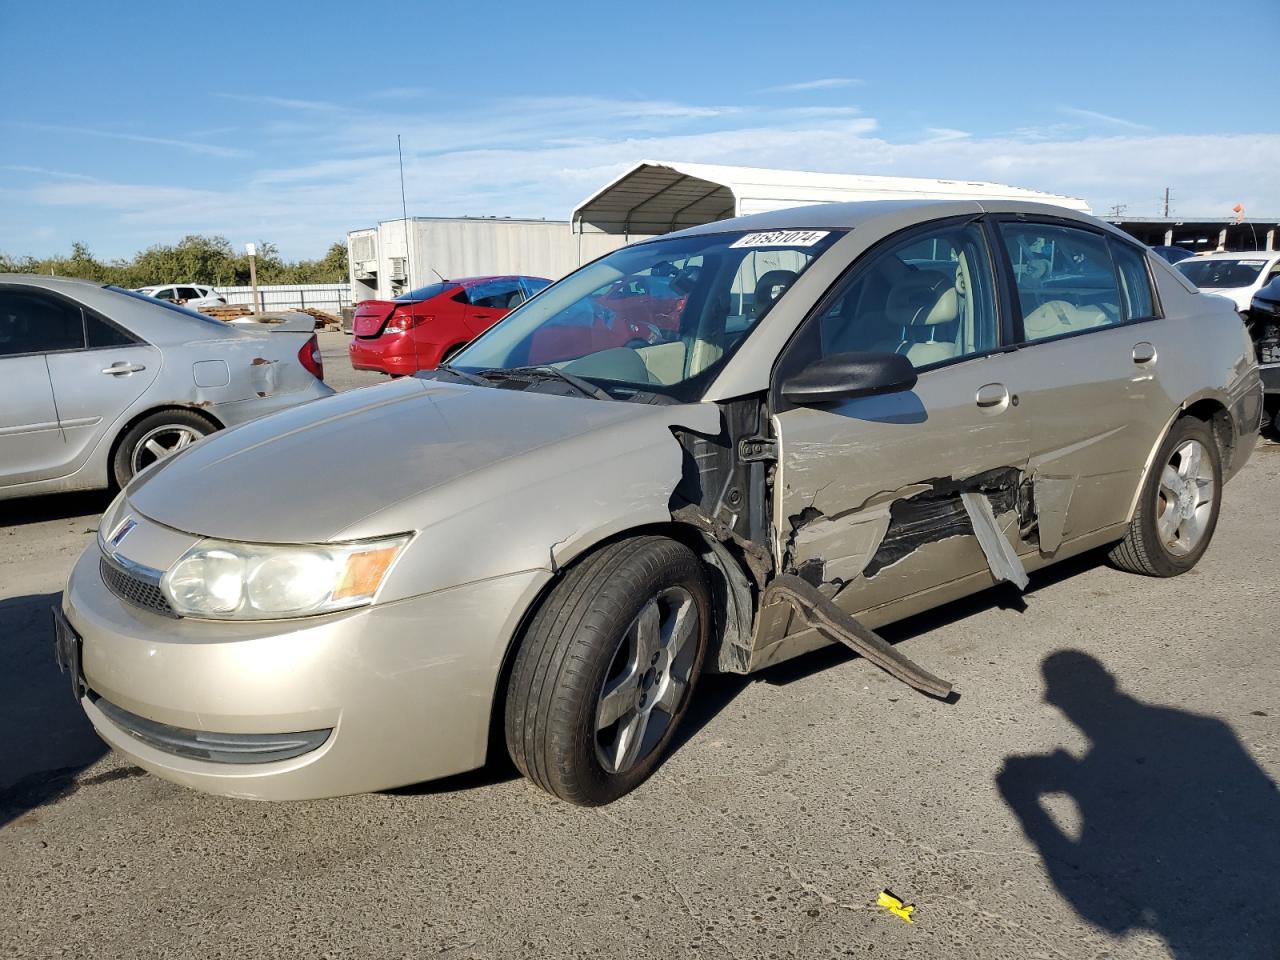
[1166, 201]
[252, 250]
[1117, 210]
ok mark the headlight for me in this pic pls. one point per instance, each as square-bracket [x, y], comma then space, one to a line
[249, 581]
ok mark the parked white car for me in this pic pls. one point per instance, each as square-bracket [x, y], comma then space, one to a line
[1236, 276]
[189, 294]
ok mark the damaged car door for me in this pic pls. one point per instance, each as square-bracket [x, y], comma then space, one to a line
[1096, 396]
[870, 488]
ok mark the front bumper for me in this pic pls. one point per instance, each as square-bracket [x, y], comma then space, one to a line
[405, 689]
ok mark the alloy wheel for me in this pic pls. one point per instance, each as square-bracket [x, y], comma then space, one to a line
[648, 680]
[160, 443]
[1184, 498]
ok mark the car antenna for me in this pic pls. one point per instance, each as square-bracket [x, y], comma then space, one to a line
[437, 273]
[408, 265]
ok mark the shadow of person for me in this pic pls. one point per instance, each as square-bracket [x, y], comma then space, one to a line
[1179, 829]
[45, 738]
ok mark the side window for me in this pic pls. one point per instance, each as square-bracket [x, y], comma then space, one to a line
[496, 294]
[188, 293]
[35, 323]
[1135, 282]
[533, 285]
[930, 297]
[99, 333]
[1065, 278]
[164, 293]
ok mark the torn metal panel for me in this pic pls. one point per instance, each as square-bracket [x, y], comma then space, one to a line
[734, 599]
[1052, 506]
[834, 623]
[939, 513]
[1001, 558]
[836, 549]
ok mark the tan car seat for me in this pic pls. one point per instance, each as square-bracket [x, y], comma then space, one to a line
[945, 310]
[1058, 316]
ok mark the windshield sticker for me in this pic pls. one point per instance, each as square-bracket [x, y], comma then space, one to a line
[1253, 263]
[781, 238]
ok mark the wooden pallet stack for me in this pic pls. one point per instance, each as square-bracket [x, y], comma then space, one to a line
[227, 311]
[230, 311]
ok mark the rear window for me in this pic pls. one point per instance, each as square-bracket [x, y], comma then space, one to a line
[185, 311]
[1222, 274]
[425, 293]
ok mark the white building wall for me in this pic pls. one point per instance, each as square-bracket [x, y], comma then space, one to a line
[463, 247]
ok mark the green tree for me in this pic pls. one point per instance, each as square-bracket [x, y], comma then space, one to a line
[195, 258]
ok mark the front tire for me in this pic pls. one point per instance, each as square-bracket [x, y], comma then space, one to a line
[606, 670]
[1177, 506]
[154, 438]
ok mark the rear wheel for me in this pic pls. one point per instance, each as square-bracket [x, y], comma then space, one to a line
[452, 352]
[606, 670]
[154, 438]
[1177, 507]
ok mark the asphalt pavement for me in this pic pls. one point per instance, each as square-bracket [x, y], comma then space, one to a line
[1104, 787]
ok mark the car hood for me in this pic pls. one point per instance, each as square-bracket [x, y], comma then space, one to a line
[368, 462]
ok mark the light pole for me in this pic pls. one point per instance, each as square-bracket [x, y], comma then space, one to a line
[252, 250]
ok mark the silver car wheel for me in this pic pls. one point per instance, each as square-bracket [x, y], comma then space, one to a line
[647, 681]
[164, 441]
[1184, 498]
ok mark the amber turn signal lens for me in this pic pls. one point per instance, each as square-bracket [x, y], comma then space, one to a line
[365, 572]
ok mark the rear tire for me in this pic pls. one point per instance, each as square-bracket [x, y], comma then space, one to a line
[607, 668]
[1177, 506]
[156, 437]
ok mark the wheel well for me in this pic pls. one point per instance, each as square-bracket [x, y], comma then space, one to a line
[138, 418]
[680, 532]
[1218, 419]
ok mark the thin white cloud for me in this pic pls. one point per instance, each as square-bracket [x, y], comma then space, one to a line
[945, 134]
[1094, 116]
[538, 156]
[44, 172]
[826, 83]
[286, 103]
[204, 149]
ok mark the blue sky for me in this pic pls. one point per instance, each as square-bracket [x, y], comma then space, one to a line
[128, 125]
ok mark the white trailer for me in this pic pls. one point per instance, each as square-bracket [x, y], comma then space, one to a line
[651, 198]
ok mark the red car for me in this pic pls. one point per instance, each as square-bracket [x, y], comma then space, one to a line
[427, 326]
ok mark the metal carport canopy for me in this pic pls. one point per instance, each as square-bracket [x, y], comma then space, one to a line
[658, 196]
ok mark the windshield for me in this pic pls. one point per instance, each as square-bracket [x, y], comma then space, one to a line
[425, 293]
[660, 317]
[186, 312]
[1222, 274]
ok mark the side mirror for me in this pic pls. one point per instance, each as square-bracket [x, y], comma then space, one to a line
[843, 376]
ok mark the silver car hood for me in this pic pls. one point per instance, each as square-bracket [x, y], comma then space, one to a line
[398, 457]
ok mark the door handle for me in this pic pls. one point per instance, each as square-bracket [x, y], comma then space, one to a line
[121, 368]
[1144, 353]
[994, 396]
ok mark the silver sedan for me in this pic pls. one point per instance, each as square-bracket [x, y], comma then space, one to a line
[98, 383]
[836, 416]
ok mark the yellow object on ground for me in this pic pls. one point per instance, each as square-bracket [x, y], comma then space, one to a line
[896, 906]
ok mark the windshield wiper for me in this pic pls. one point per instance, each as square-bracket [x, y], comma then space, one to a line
[463, 375]
[585, 387]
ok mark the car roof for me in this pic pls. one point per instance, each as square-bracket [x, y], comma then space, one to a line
[1235, 255]
[849, 216]
[52, 283]
[472, 281]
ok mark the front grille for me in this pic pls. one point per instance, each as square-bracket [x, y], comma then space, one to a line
[213, 747]
[139, 588]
